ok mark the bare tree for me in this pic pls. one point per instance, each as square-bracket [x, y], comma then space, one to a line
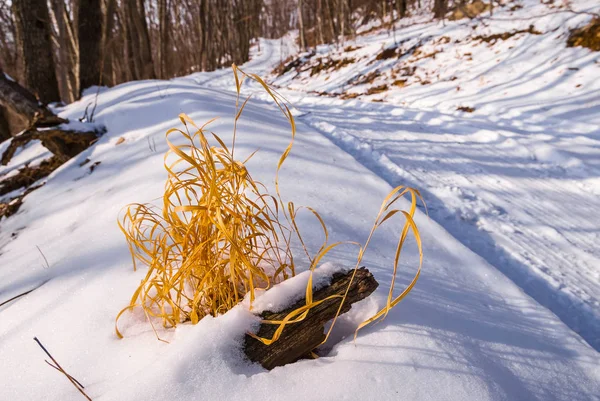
[4, 126]
[163, 38]
[35, 46]
[301, 27]
[89, 32]
[440, 8]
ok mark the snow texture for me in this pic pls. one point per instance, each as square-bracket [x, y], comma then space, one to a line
[517, 184]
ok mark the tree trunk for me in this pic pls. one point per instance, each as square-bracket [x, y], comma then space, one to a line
[298, 340]
[319, 15]
[301, 27]
[66, 57]
[89, 29]
[342, 19]
[401, 8]
[440, 7]
[35, 45]
[4, 126]
[138, 39]
[163, 37]
[108, 75]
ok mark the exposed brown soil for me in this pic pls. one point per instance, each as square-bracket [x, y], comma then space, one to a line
[346, 96]
[587, 36]
[470, 10]
[466, 109]
[28, 175]
[506, 35]
[377, 89]
[330, 64]
[365, 79]
[12, 205]
[292, 63]
[388, 53]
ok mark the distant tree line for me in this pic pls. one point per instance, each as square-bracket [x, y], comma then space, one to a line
[57, 48]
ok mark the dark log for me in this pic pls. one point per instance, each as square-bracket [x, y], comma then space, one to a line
[15, 97]
[298, 340]
[63, 144]
[4, 125]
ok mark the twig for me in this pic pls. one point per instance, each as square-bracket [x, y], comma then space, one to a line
[43, 256]
[75, 383]
[74, 379]
[18, 296]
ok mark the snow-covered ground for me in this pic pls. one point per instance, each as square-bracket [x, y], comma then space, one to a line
[466, 332]
[518, 179]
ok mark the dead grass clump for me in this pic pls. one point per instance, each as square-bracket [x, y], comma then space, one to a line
[220, 235]
[468, 10]
[401, 83]
[466, 109]
[292, 63]
[388, 53]
[349, 49]
[348, 95]
[331, 64]
[419, 54]
[377, 89]
[28, 175]
[587, 36]
[506, 35]
[365, 79]
[12, 205]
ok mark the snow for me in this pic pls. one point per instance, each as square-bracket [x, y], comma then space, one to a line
[476, 326]
[517, 180]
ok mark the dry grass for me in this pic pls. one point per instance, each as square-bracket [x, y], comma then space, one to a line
[588, 36]
[220, 235]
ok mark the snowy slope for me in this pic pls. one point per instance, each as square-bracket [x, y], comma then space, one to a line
[518, 179]
[466, 332]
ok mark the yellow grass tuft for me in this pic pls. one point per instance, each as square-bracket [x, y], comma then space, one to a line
[220, 235]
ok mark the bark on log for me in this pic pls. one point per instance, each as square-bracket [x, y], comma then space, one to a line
[64, 144]
[298, 340]
[22, 102]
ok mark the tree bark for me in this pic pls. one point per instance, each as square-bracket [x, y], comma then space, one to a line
[163, 36]
[440, 7]
[401, 8]
[138, 39]
[89, 28]
[35, 45]
[4, 126]
[64, 144]
[301, 27]
[108, 74]
[319, 16]
[298, 340]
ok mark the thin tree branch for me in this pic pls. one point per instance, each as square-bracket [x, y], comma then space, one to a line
[75, 383]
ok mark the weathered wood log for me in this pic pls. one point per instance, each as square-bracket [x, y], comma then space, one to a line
[298, 340]
[43, 124]
[63, 144]
[15, 97]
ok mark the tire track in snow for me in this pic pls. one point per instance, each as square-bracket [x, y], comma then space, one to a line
[513, 249]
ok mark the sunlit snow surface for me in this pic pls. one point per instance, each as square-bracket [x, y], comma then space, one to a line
[466, 332]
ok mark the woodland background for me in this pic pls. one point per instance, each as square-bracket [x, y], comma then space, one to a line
[58, 48]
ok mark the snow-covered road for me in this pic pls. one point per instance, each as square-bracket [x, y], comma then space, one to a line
[525, 196]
